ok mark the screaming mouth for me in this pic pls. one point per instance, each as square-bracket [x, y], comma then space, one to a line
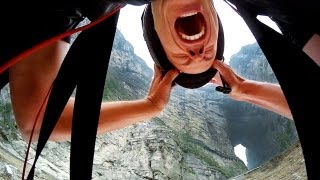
[191, 26]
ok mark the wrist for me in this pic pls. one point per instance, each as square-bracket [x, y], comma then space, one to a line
[153, 107]
[242, 90]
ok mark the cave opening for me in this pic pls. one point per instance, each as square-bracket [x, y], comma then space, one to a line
[240, 152]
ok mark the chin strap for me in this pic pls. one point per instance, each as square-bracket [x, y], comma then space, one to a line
[225, 88]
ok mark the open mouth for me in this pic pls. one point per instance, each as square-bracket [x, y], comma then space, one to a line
[191, 26]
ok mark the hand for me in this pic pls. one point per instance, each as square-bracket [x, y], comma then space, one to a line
[160, 89]
[232, 79]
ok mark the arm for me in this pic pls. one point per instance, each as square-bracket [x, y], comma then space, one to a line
[120, 114]
[262, 94]
[31, 79]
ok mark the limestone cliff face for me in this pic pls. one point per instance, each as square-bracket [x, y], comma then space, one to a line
[193, 138]
[285, 166]
[187, 141]
[263, 133]
[128, 75]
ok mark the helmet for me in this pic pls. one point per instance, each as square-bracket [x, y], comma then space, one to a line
[159, 56]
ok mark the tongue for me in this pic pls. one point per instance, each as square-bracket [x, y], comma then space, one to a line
[189, 25]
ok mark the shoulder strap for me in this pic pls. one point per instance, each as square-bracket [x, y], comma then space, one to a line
[89, 95]
[4, 79]
[292, 67]
[85, 66]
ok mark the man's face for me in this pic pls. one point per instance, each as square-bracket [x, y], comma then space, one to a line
[188, 31]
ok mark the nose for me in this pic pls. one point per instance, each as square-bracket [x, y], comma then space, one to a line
[196, 53]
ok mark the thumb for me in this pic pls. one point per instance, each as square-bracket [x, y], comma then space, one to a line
[216, 79]
[170, 76]
[217, 64]
[223, 68]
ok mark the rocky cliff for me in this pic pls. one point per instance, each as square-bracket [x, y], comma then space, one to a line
[287, 165]
[193, 138]
[262, 132]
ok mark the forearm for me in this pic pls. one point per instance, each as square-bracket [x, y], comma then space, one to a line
[119, 114]
[113, 115]
[265, 95]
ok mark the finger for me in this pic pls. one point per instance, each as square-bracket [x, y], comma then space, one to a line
[157, 71]
[169, 77]
[216, 79]
[156, 78]
[221, 67]
[165, 85]
[217, 64]
[157, 74]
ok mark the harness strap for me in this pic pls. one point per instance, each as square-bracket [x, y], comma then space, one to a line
[4, 79]
[291, 67]
[89, 95]
[85, 66]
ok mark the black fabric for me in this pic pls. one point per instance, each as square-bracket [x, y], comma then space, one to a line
[159, 57]
[33, 21]
[297, 19]
[89, 53]
[4, 79]
[133, 2]
[89, 96]
[291, 65]
[25, 29]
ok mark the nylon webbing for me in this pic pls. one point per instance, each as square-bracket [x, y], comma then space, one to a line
[89, 96]
[4, 79]
[86, 66]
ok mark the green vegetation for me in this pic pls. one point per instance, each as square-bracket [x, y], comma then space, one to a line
[186, 143]
[238, 166]
[8, 129]
[284, 138]
[124, 85]
[114, 90]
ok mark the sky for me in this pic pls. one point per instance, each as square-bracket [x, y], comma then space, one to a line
[236, 34]
[240, 152]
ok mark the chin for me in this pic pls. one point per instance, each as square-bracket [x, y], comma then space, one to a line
[196, 70]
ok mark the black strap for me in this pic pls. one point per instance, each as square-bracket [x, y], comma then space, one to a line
[298, 76]
[86, 66]
[225, 88]
[89, 96]
[63, 87]
[4, 79]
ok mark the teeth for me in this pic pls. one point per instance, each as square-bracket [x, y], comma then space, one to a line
[193, 37]
[188, 14]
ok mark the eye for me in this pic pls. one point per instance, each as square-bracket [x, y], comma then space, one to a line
[209, 50]
[180, 56]
[181, 59]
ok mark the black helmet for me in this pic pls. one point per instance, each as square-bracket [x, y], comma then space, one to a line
[132, 2]
[159, 56]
